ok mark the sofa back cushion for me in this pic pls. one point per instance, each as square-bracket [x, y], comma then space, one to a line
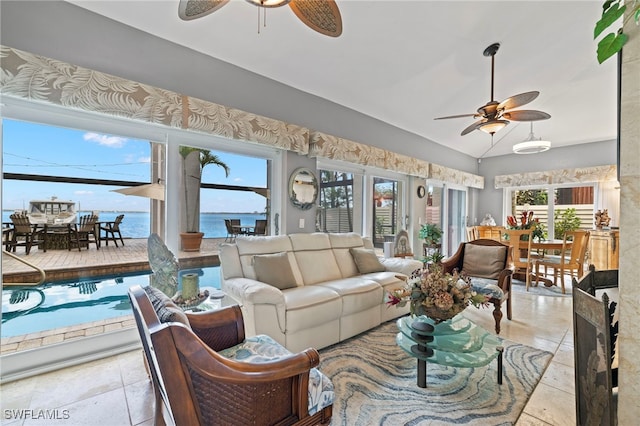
[274, 269]
[484, 261]
[341, 245]
[315, 257]
[250, 246]
[230, 265]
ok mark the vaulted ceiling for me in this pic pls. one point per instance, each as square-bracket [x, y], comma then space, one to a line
[407, 62]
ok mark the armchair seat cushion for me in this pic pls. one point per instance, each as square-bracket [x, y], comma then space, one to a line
[262, 348]
[487, 286]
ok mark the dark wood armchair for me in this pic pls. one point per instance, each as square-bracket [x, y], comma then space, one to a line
[196, 385]
[84, 233]
[490, 265]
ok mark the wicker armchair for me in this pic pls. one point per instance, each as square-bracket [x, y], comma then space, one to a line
[198, 380]
[496, 257]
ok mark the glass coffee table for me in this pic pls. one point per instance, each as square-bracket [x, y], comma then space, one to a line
[455, 343]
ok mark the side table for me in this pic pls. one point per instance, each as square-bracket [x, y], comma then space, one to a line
[454, 343]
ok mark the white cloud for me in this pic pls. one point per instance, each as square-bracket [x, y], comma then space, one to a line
[237, 179]
[106, 140]
[144, 160]
[83, 192]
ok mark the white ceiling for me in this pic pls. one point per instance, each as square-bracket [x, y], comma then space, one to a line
[407, 62]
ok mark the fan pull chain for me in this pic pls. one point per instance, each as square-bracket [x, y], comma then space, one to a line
[264, 18]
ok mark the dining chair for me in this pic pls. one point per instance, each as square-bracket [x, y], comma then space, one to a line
[25, 234]
[521, 254]
[84, 233]
[472, 233]
[111, 231]
[571, 259]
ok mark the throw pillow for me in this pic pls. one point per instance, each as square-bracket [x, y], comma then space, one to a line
[484, 261]
[165, 308]
[275, 270]
[366, 260]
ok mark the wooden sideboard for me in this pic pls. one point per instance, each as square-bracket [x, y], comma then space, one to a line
[604, 248]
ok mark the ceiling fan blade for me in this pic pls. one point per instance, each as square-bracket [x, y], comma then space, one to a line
[526, 115]
[192, 9]
[321, 16]
[473, 127]
[518, 100]
[456, 116]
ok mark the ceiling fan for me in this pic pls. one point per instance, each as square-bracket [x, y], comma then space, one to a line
[496, 115]
[322, 16]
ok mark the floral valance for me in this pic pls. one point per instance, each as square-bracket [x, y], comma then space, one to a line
[446, 174]
[551, 177]
[33, 77]
[335, 148]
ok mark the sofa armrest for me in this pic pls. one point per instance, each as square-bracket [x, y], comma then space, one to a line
[403, 266]
[250, 294]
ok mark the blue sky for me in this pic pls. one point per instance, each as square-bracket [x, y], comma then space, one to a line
[39, 149]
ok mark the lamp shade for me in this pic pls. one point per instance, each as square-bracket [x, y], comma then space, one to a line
[493, 126]
[268, 3]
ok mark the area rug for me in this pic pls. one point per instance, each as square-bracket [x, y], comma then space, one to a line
[540, 290]
[375, 384]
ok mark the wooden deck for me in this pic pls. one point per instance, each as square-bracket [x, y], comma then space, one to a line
[70, 264]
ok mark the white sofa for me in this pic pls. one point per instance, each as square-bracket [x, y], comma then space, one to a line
[323, 298]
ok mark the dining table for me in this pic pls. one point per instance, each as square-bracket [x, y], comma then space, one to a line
[542, 247]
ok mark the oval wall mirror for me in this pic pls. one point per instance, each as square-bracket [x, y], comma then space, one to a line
[303, 188]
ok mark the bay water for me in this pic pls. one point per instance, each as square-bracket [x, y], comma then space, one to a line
[137, 224]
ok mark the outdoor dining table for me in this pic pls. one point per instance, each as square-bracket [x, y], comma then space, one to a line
[243, 229]
[544, 246]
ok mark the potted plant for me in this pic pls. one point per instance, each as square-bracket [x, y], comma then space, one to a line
[194, 160]
[431, 234]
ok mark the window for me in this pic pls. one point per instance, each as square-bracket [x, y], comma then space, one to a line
[335, 210]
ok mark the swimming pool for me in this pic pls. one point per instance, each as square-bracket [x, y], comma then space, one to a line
[53, 305]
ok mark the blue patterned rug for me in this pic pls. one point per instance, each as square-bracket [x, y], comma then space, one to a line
[375, 384]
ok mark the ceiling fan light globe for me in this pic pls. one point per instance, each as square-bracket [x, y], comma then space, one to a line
[531, 147]
[268, 3]
[493, 126]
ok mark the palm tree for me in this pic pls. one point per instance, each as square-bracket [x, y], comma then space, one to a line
[194, 160]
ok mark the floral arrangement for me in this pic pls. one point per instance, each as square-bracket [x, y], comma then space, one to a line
[438, 295]
[526, 221]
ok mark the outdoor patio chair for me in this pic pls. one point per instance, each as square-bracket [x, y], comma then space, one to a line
[25, 234]
[231, 232]
[260, 228]
[111, 230]
[84, 233]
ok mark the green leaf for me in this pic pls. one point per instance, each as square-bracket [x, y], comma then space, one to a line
[607, 3]
[610, 45]
[608, 18]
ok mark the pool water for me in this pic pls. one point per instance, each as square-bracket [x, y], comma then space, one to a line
[27, 310]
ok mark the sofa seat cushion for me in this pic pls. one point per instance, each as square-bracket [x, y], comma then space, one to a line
[386, 278]
[357, 293]
[262, 348]
[404, 266]
[306, 307]
[487, 286]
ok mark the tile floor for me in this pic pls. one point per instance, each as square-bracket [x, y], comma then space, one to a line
[116, 391]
